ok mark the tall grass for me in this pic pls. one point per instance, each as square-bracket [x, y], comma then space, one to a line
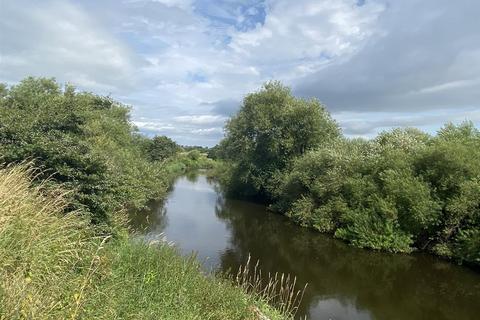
[278, 289]
[45, 256]
[53, 266]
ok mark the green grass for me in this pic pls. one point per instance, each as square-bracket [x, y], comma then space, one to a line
[53, 266]
[153, 283]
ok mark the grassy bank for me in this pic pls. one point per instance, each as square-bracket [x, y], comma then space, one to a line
[54, 266]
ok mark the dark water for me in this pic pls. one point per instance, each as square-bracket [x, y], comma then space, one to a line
[343, 282]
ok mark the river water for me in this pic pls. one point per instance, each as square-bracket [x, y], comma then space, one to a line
[343, 282]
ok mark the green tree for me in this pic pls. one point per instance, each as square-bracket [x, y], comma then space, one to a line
[401, 191]
[161, 148]
[451, 166]
[81, 140]
[270, 130]
[3, 91]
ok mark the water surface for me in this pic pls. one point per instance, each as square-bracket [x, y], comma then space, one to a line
[343, 282]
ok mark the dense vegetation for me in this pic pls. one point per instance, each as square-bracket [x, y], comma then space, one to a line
[54, 266]
[87, 143]
[64, 247]
[402, 191]
[271, 129]
[162, 148]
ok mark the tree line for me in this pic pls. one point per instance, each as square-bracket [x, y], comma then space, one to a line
[401, 191]
[86, 143]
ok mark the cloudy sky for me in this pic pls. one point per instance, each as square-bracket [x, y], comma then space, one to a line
[184, 65]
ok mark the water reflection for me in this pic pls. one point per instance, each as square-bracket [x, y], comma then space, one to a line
[343, 282]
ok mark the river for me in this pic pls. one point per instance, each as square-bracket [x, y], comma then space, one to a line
[343, 282]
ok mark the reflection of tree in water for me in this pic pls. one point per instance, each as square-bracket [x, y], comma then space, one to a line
[192, 176]
[216, 186]
[150, 222]
[388, 286]
[158, 224]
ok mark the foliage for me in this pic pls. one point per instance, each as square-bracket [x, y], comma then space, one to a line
[184, 162]
[270, 130]
[56, 264]
[215, 152]
[161, 148]
[401, 191]
[200, 149]
[81, 140]
[451, 165]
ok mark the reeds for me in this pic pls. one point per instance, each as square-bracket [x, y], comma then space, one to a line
[278, 289]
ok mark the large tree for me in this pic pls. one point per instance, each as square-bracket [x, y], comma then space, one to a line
[162, 148]
[272, 128]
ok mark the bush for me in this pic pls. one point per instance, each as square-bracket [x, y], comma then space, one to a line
[400, 191]
[83, 141]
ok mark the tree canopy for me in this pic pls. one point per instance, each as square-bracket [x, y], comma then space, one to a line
[161, 148]
[270, 130]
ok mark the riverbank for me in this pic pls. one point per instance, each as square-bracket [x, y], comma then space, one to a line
[55, 266]
[343, 281]
[404, 190]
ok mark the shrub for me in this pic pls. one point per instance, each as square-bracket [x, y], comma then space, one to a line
[81, 140]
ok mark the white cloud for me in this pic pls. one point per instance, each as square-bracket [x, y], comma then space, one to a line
[296, 39]
[361, 124]
[299, 35]
[154, 126]
[216, 131]
[184, 4]
[449, 85]
[427, 58]
[55, 38]
[185, 65]
[201, 119]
